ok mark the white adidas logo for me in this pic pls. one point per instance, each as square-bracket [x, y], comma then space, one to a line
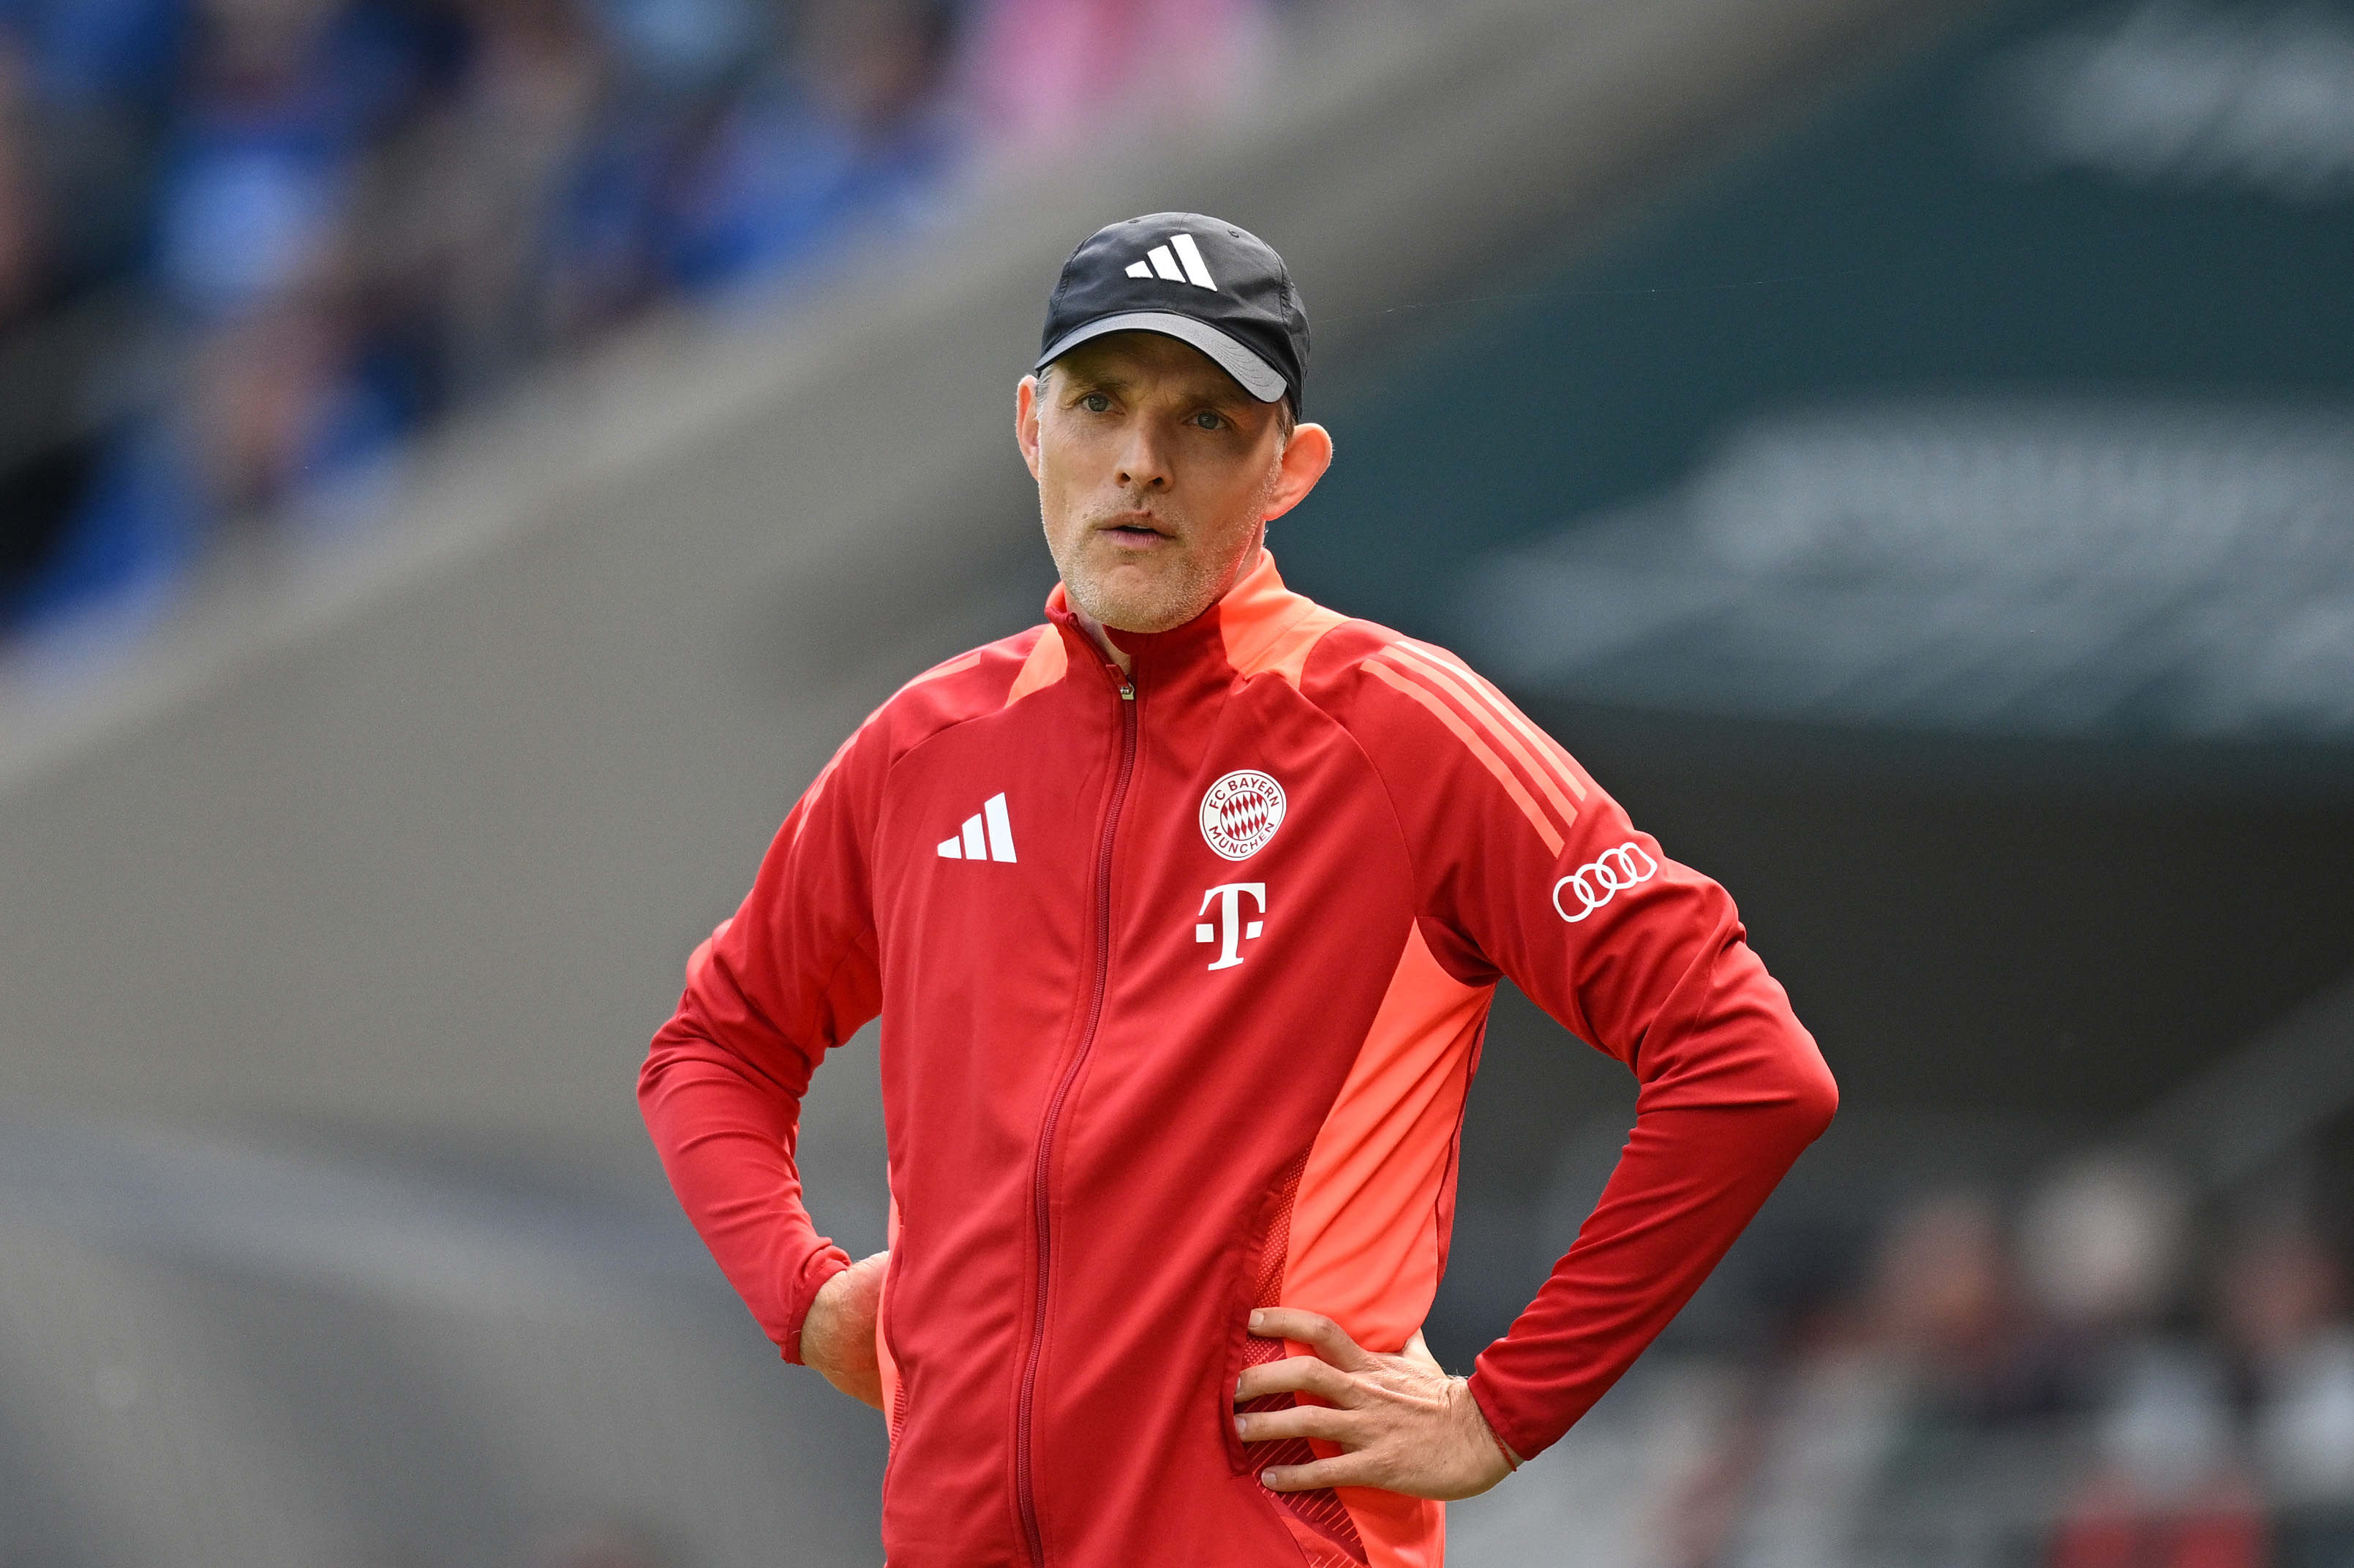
[988, 835]
[1159, 263]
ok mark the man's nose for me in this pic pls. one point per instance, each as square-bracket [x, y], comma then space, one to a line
[1142, 465]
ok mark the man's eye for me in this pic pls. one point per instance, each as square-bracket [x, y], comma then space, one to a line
[1095, 403]
[1209, 422]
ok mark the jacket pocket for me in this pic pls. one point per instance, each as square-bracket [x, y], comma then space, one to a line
[1259, 1284]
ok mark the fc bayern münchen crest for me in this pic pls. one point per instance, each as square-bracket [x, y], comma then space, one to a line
[1241, 813]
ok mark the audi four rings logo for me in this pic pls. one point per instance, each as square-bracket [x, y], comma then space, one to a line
[1600, 880]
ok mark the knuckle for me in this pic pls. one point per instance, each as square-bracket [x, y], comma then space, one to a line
[1320, 1420]
[1290, 1373]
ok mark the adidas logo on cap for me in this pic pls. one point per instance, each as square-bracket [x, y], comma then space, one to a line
[1158, 262]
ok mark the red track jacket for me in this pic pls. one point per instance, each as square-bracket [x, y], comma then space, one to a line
[1182, 979]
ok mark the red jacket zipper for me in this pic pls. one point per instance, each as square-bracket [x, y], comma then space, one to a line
[1040, 1200]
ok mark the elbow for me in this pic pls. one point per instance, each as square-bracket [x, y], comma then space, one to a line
[1819, 1105]
[1811, 1093]
[673, 1044]
[650, 1072]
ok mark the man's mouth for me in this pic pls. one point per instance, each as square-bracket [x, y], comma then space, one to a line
[1136, 530]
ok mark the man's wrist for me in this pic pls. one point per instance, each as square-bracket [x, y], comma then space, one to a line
[1496, 1430]
[818, 1274]
[1512, 1461]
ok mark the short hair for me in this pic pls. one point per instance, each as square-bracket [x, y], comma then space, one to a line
[1287, 414]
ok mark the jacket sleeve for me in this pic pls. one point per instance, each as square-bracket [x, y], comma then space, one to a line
[1532, 872]
[788, 977]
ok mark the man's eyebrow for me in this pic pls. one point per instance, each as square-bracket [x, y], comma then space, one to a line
[1225, 394]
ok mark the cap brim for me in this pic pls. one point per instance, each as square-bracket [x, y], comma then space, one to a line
[1260, 380]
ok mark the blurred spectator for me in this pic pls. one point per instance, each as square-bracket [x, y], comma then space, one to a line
[1947, 1302]
[2102, 1247]
[99, 75]
[2282, 1309]
[853, 128]
[2104, 1243]
[455, 216]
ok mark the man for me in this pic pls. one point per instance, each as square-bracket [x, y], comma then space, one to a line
[1183, 913]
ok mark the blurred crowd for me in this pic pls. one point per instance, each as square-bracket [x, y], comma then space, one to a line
[247, 246]
[2109, 1378]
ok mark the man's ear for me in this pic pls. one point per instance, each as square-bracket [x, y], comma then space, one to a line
[1304, 458]
[1025, 421]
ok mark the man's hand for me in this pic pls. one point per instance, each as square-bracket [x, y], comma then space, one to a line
[1404, 1424]
[838, 1335]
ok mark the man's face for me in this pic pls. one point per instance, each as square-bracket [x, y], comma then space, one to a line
[1157, 474]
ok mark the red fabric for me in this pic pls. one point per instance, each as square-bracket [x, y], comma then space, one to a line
[1093, 1119]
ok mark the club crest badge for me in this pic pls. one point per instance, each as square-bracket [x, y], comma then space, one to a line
[1241, 813]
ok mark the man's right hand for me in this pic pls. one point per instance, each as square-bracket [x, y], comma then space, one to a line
[838, 1335]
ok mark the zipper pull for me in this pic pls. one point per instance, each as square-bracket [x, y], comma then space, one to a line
[1128, 691]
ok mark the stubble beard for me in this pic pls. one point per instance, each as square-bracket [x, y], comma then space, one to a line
[1158, 601]
[1181, 589]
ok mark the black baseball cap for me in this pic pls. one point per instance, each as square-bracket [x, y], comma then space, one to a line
[1194, 278]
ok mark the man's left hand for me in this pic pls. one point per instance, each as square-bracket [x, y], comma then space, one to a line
[1403, 1424]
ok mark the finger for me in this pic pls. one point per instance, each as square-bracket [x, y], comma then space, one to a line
[1342, 1471]
[1343, 1427]
[1298, 1375]
[1418, 1351]
[1315, 1331]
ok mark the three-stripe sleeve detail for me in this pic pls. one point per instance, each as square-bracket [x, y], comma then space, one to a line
[1446, 715]
[1545, 778]
[1492, 729]
[1544, 743]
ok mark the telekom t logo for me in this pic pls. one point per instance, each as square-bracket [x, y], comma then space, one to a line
[1230, 932]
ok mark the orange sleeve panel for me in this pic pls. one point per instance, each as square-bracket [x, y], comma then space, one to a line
[1527, 869]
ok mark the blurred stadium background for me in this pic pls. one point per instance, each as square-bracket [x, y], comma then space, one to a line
[464, 464]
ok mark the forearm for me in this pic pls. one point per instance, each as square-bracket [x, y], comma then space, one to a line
[1734, 1093]
[1664, 1221]
[727, 1140]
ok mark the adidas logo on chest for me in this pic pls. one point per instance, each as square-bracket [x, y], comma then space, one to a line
[987, 834]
